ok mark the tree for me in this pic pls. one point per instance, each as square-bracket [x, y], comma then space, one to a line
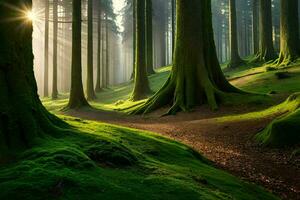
[289, 32]
[196, 77]
[55, 29]
[77, 99]
[90, 93]
[98, 82]
[46, 50]
[235, 59]
[141, 84]
[22, 115]
[149, 38]
[254, 26]
[266, 48]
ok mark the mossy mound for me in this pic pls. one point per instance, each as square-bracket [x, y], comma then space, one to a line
[110, 162]
[285, 130]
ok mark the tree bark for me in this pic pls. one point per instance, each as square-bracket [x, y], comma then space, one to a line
[235, 59]
[98, 82]
[289, 32]
[149, 38]
[22, 116]
[90, 93]
[255, 26]
[196, 76]
[141, 84]
[266, 48]
[77, 99]
[46, 50]
[107, 80]
[55, 31]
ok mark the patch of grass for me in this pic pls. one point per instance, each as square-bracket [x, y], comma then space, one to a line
[101, 161]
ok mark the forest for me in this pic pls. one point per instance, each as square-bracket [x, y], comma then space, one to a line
[150, 99]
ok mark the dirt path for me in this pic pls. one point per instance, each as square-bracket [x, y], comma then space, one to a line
[228, 145]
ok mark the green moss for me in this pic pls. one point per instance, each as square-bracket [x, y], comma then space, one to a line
[284, 131]
[111, 162]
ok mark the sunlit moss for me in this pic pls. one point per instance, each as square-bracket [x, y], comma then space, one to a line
[102, 161]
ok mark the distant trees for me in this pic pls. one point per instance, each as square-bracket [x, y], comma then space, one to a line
[196, 76]
[255, 21]
[289, 32]
[77, 98]
[235, 59]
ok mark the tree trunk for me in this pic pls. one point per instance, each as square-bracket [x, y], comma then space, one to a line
[141, 84]
[98, 82]
[46, 50]
[235, 59]
[196, 76]
[77, 99]
[149, 37]
[55, 29]
[266, 47]
[107, 74]
[255, 26]
[173, 25]
[90, 93]
[22, 116]
[289, 32]
[134, 37]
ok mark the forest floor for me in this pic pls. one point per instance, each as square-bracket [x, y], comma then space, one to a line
[224, 137]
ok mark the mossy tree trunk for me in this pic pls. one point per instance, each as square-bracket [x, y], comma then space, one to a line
[235, 59]
[266, 48]
[255, 26]
[98, 82]
[133, 37]
[90, 93]
[289, 32]
[46, 50]
[77, 99]
[55, 33]
[149, 38]
[196, 76]
[141, 84]
[22, 116]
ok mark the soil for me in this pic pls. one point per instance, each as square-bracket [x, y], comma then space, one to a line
[229, 145]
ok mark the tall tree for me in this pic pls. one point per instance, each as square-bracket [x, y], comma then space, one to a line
[255, 26]
[141, 83]
[149, 37]
[107, 74]
[55, 32]
[90, 93]
[22, 116]
[46, 50]
[196, 76]
[266, 47]
[289, 32]
[99, 33]
[235, 59]
[77, 99]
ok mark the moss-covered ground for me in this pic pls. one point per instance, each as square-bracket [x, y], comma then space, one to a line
[101, 161]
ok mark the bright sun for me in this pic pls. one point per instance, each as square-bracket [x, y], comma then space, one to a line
[31, 15]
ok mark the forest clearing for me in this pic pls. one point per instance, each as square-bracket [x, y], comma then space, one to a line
[150, 99]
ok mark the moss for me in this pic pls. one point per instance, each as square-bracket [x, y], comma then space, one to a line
[283, 131]
[64, 168]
